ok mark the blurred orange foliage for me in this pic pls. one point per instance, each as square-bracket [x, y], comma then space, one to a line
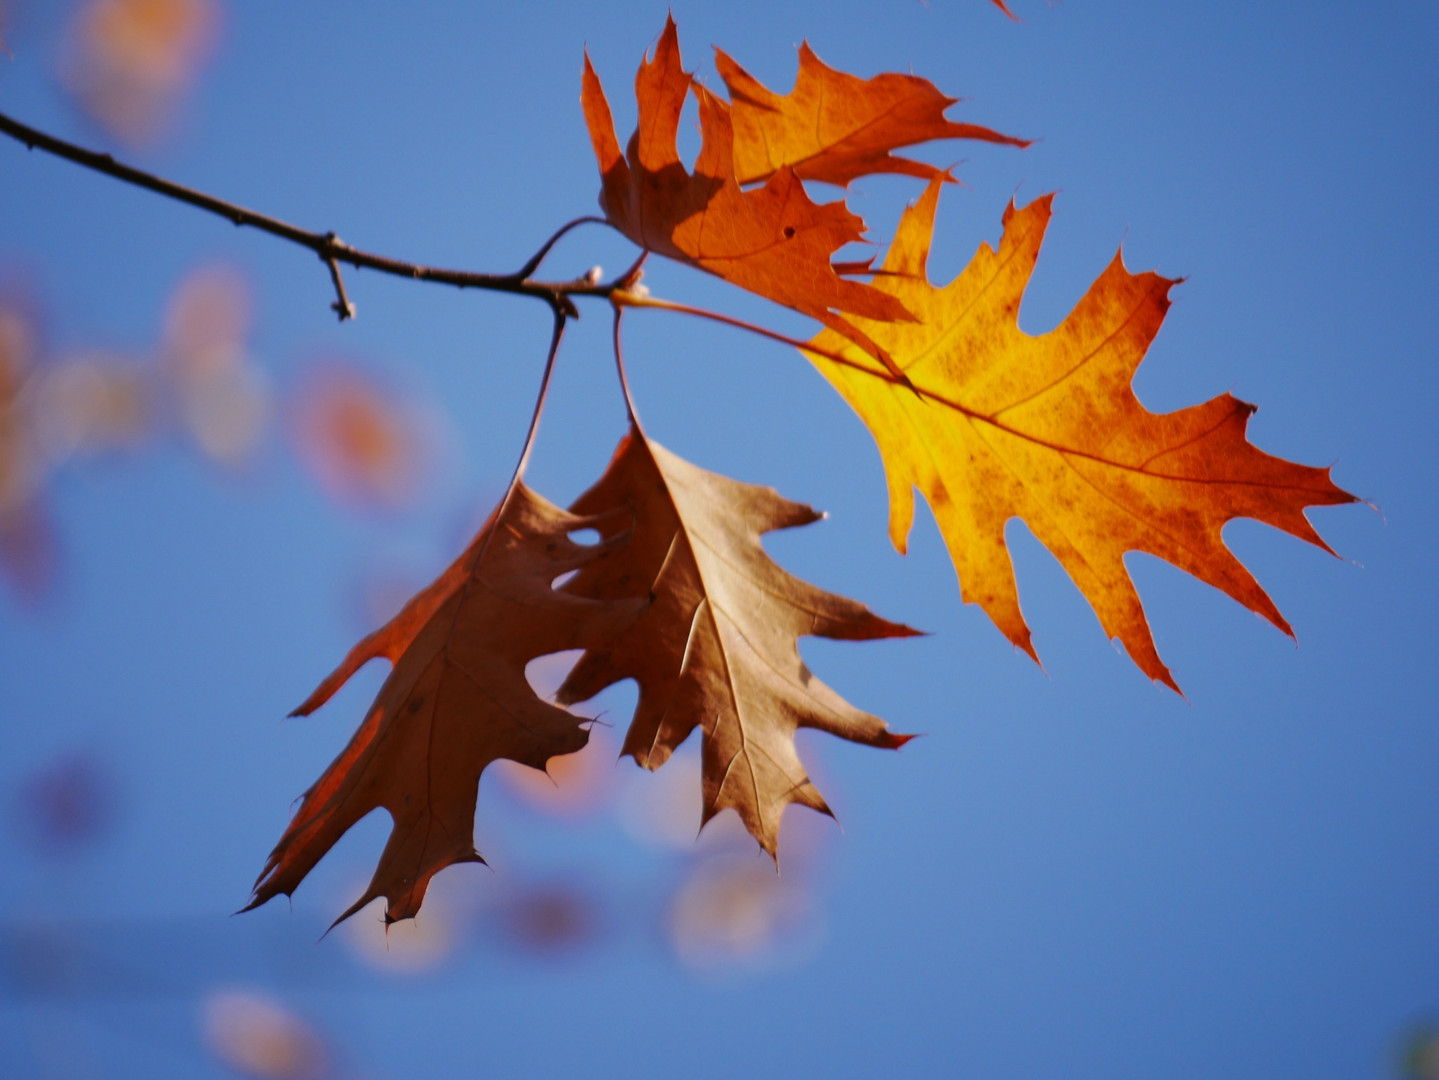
[257, 1036]
[222, 398]
[26, 542]
[361, 446]
[130, 63]
[734, 909]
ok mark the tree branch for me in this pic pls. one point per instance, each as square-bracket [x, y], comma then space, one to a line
[331, 250]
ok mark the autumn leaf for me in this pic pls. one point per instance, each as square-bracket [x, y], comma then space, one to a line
[456, 700]
[718, 646]
[772, 240]
[1000, 424]
[835, 127]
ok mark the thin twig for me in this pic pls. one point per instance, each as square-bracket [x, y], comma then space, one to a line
[331, 250]
[342, 306]
[539, 256]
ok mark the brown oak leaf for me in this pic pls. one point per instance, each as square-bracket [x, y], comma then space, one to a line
[996, 423]
[456, 700]
[717, 648]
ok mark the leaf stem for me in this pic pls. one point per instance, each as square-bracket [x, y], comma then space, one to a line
[620, 369]
[498, 514]
[623, 298]
[540, 399]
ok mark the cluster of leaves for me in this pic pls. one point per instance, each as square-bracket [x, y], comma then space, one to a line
[988, 422]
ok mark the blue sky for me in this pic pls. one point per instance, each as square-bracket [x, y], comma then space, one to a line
[1075, 872]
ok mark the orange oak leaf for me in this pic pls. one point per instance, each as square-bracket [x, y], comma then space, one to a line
[835, 127]
[772, 240]
[717, 648]
[1000, 424]
[456, 700]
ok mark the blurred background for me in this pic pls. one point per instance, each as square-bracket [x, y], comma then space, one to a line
[209, 489]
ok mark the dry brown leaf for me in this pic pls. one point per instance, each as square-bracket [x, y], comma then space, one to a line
[834, 126]
[718, 646]
[456, 701]
[1000, 424]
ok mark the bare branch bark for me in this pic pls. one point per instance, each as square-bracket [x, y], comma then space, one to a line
[329, 247]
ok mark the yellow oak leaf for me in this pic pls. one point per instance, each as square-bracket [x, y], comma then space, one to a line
[998, 424]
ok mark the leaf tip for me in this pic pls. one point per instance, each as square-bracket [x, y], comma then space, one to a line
[880, 627]
[893, 740]
[669, 36]
[1023, 640]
